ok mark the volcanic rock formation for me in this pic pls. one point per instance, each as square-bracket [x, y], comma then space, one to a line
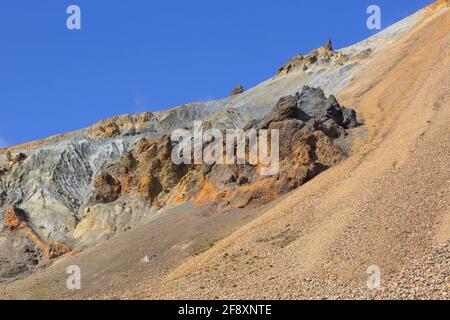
[311, 128]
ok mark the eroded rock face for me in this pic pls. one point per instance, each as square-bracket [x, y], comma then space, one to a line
[128, 124]
[319, 57]
[146, 171]
[22, 249]
[308, 123]
[18, 256]
[79, 191]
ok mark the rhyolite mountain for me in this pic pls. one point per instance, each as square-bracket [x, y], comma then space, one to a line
[84, 186]
[69, 193]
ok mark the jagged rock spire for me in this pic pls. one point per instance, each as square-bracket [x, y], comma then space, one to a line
[329, 45]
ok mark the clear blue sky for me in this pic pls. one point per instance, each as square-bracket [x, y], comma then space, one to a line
[138, 55]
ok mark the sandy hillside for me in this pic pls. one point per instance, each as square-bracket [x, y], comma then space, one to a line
[388, 205]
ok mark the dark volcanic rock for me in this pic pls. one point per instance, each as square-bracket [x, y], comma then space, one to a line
[286, 109]
[349, 118]
[313, 104]
[310, 104]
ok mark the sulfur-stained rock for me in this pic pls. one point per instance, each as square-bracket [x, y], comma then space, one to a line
[14, 219]
[107, 189]
[57, 249]
[150, 187]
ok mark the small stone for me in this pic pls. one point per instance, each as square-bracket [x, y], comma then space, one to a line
[151, 256]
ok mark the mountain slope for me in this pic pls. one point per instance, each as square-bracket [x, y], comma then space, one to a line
[386, 205]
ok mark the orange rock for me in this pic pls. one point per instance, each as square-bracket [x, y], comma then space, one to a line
[107, 131]
[56, 249]
[437, 4]
[13, 220]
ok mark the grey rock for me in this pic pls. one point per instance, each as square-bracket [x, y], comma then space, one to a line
[151, 256]
[313, 104]
[286, 108]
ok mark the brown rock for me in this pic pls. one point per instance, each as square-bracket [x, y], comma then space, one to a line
[329, 45]
[150, 187]
[129, 163]
[57, 249]
[107, 189]
[237, 90]
[14, 219]
[17, 158]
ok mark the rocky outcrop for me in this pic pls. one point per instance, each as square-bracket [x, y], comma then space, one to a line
[14, 219]
[146, 171]
[310, 104]
[127, 124]
[146, 179]
[237, 90]
[81, 191]
[10, 161]
[18, 256]
[85, 186]
[323, 57]
[329, 45]
[17, 158]
[313, 104]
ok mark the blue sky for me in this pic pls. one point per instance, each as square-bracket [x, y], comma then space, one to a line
[147, 55]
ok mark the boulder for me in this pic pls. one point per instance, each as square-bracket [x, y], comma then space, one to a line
[286, 108]
[313, 104]
[237, 90]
